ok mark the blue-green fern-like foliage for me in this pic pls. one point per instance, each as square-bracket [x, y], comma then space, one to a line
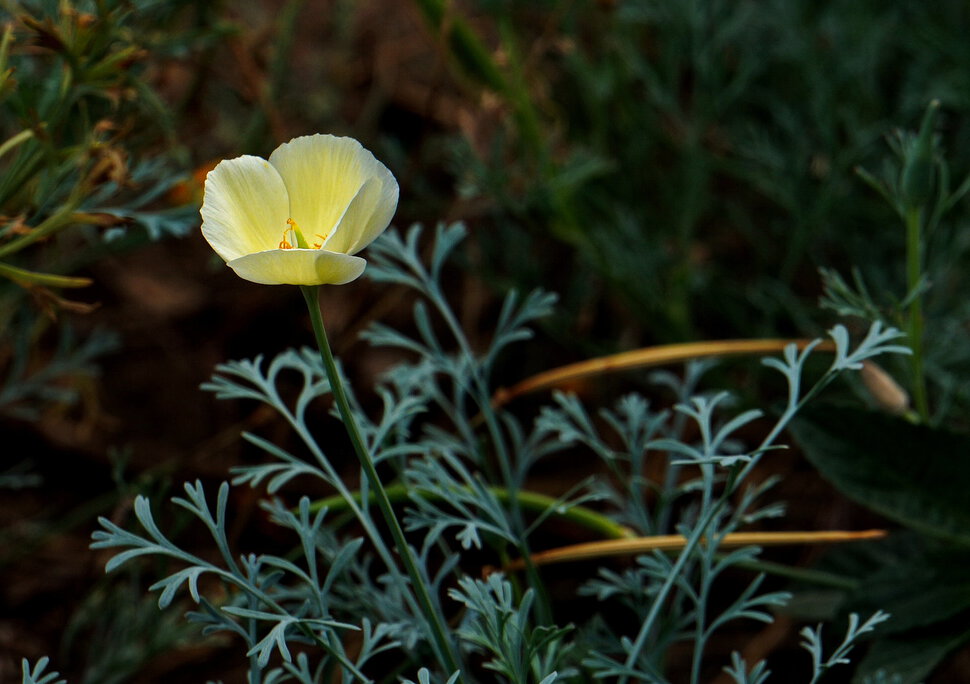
[339, 606]
[497, 624]
[36, 674]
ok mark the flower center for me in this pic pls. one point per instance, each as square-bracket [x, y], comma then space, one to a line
[293, 232]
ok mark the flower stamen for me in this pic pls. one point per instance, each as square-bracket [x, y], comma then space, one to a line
[292, 230]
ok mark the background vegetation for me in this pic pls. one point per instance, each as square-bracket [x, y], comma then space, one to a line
[676, 171]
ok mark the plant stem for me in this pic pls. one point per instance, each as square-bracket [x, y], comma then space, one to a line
[805, 575]
[914, 327]
[706, 519]
[482, 397]
[14, 141]
[532, 501]
[62, 217]
[660, 598]
[436, 625]
[22, 275]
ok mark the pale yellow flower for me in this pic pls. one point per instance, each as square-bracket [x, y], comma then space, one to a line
[299, 217]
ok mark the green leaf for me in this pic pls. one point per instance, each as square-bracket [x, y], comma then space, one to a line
[916, 475]
[922, 583]
[919, 580]
[910, 658]
[917, 591]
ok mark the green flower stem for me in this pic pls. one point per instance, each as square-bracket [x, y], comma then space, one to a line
[914, 327]
[532, 501]
[352, 506]
[439, 634]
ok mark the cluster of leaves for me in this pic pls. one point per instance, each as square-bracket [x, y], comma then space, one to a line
[871, 456]
[913, 574]
[680, 139]
[341, 602]
[88, 150]
[79, 121]
[90, 164]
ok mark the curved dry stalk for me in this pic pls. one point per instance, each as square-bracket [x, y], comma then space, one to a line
[674, 542]
[647, 357]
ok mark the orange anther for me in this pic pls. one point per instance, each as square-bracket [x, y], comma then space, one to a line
[284, 243]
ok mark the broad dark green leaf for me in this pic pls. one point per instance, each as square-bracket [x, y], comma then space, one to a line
[909, 657]
[913, 474]
[918, 591]
[921, 581]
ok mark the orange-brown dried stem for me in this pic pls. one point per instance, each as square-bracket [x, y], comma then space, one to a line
[674, 542]
[646, 358]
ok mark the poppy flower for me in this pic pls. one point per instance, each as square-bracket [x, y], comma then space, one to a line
[301, 216]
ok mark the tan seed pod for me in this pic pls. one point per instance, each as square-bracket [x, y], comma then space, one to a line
[886, 392]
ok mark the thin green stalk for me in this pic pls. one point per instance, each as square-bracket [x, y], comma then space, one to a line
[700, 617]
[660, 598]
[19, 139]
[52, 224]
[532, 501]
[439, 633]
[914, 324]
[45, 279]
[542, 605]
[349, 500]
[700, 621]
[806, 575]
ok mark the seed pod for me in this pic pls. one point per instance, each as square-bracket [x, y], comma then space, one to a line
[884, 390]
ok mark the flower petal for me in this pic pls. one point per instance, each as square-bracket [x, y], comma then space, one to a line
[323, 175]
[298, 267]
[369, 213]
[245, 207]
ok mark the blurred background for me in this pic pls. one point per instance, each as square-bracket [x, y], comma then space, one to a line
[676, 170]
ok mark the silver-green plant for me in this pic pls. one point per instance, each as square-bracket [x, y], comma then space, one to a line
[36, 674]
[463, 467]
[812, 643]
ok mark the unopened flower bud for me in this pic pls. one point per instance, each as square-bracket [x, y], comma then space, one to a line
[884, 390]
[917, 179]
